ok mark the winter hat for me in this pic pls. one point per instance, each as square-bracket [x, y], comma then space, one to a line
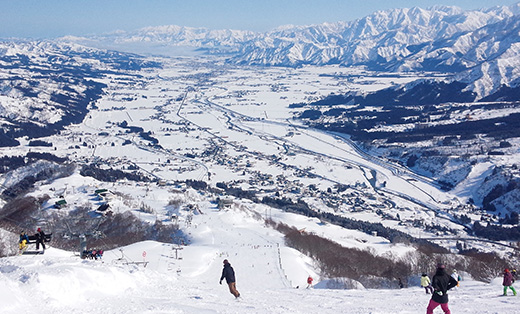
[506, 270]
[226, 262]
[39, 229]
[440, 266]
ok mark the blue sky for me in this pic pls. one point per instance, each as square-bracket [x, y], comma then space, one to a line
[54, 18]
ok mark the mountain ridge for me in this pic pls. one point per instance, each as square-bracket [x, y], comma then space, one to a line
[465, 44]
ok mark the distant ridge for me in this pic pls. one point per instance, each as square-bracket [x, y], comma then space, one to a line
[447, 39]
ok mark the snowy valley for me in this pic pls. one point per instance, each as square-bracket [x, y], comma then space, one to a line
[171, 164]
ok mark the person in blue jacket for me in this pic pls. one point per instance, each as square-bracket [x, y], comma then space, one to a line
[229, 274]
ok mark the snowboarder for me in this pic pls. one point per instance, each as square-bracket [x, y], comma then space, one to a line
[309, 282]
[229, 274]
[40, 238]
[426, 283]
[24, 239]
[456, 276]
[441, 283]
[508, 281]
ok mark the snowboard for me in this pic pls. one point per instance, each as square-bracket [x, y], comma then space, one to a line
[32, 252]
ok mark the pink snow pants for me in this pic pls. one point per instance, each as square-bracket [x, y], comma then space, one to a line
[434, 304]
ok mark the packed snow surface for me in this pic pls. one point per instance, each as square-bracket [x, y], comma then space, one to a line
[153, 277]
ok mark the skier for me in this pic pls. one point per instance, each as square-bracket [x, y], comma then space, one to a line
[441, 283]
[40, 238]
[426, 283]
[24, 238]
[456, 276]
[400, 283]
[229, 274]
[309, 282]
[508, 281]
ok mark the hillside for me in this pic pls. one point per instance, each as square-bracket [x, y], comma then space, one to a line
[45, 86]
[269, 278]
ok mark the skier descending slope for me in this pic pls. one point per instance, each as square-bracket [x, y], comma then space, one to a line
[229, 274]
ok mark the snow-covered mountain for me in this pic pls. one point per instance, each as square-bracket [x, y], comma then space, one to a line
[445, 39]
[448, 39]
[494, 58]
[46, 85]
[377, 40]
[188, 36]
[168, 37]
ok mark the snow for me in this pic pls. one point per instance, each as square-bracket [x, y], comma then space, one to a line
[473, 182]
[267, 276]
[244, 111]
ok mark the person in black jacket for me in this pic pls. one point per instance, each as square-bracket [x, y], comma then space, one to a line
[229, 274]
[441, 283]
[40, 239]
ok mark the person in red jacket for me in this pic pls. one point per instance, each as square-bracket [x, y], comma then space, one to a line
[441, 283]
[508, 281]
[309, 282]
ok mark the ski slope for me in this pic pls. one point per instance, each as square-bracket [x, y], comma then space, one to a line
[187, 280]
